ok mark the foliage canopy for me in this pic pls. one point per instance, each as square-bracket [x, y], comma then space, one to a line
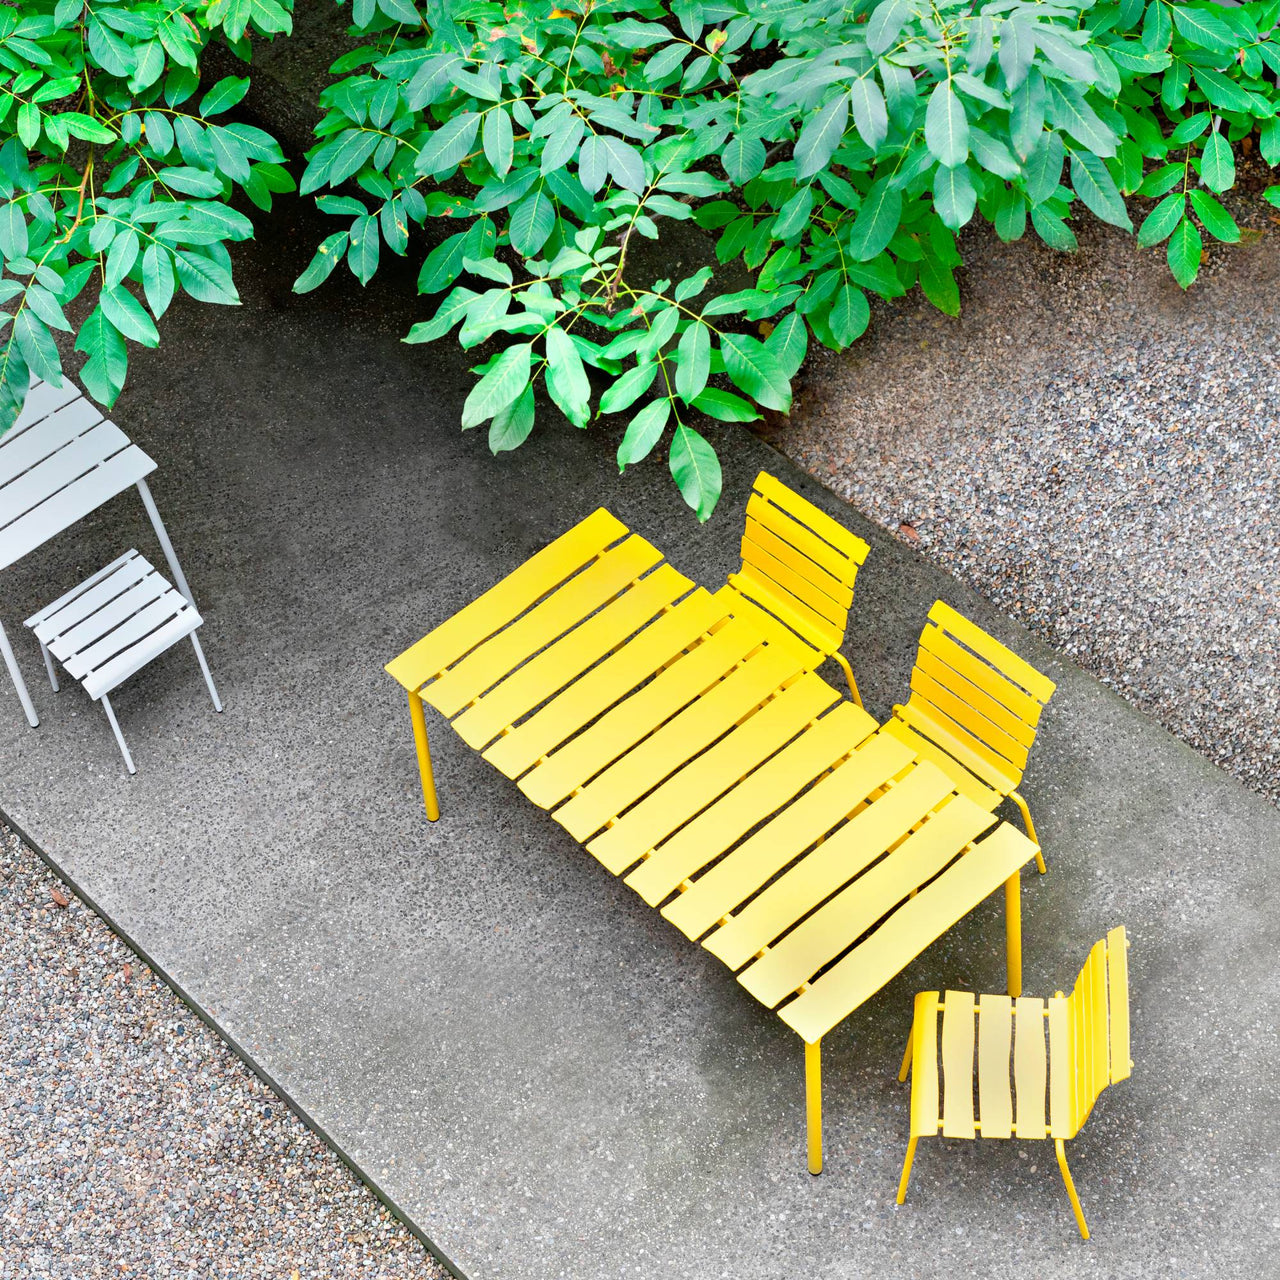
[832, 149]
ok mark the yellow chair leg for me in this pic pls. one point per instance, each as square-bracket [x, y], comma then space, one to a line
[424, 757]
[1013, 931]
[1071, 1188]
[906, 1169]
[906, 1057]
[1031, 828]
[848, 672]
[813, 1102]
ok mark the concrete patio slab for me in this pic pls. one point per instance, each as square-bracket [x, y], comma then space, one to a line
[542, 1076]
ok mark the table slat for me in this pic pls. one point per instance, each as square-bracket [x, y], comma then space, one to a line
[18, 454]
[676, 742]
[839, 923]
[549, 619]
[957, 1064]
[913, 926]
[705, 779]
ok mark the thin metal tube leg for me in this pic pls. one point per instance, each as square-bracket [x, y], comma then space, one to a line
[115, 728]
[1031, 828]
[813, 1102]
[906, 1057]
[179, 578]
[18, 682]
[848, 672]
[48, 665]
[1013, 930]
[1071, 1188]
[204, 667]
[906, 1169]
[424, 757]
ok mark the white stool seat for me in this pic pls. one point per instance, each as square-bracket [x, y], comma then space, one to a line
[112, 625]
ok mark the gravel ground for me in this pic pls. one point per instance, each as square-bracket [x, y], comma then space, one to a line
[133, 1142]
[1096, 452]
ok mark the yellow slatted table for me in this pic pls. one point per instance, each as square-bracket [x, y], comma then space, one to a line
[686, 741]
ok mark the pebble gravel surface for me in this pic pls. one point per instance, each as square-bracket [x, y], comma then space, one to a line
[1096, 452]
[134, 1143]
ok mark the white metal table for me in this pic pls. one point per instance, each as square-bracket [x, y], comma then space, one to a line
[60, 461]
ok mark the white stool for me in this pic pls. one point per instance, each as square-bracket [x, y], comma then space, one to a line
[112, 625]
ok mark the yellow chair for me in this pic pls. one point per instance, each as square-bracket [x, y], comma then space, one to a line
[973, 710]
[798, 568]
[1088, 1049]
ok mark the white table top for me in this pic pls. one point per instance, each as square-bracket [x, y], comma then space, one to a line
[58, 462]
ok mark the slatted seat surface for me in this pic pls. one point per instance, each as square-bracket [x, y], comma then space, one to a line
[58, 462]
[114, 623]
[974, 706]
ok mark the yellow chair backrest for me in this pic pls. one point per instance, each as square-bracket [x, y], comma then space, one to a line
[798, 564]
[1093, 1023]
[975, 696]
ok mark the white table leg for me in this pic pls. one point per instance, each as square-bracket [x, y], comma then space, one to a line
[179, 578]
[16, 676]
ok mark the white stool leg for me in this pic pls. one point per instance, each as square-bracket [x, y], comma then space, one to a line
[48, 665]
[16, 676]
[162, 535]
[204, 666]
[115, 728]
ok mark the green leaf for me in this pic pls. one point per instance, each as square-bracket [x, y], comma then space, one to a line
[449, 145]
[86, 128]
[725, 406]
[1157, 29]
[885, 24]
[793, 217]
[1017, 48]
[126, 313]
[1197, 25]
[532, 221]
[938, 283]
[743, 158]
[850, 315]
[13, 232]
[224, 95]
[498, 139]
[366, 243]
[104, 371]
[693, 357]
[946, 127]
[1184, 252]
[869, 111]
[566, 378]
[191, 182]
[327, 256]
[1044, 167]
[1052, 230]
[1162, 220]
[1217, 221]
[694, 285]
[696, 470]
[157, 279]
[643, 432]
[1221, 91]
[821, 136]
[500, 386]
[876, 220]
[954, 196]
[28, 124]
[511, 426]
[628, 388]
[450, 311]
[205, 280]
[1096, 187]
[754, 369]
[603, 155]
[1217, 164]
[37, 345]
[788, 343]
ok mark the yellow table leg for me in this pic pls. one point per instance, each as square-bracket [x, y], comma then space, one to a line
[906, 1169]
[424, 757]
[813, 1101]
[848, 675]
[1013, 930]
[906, 1057]
[1031, 830]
